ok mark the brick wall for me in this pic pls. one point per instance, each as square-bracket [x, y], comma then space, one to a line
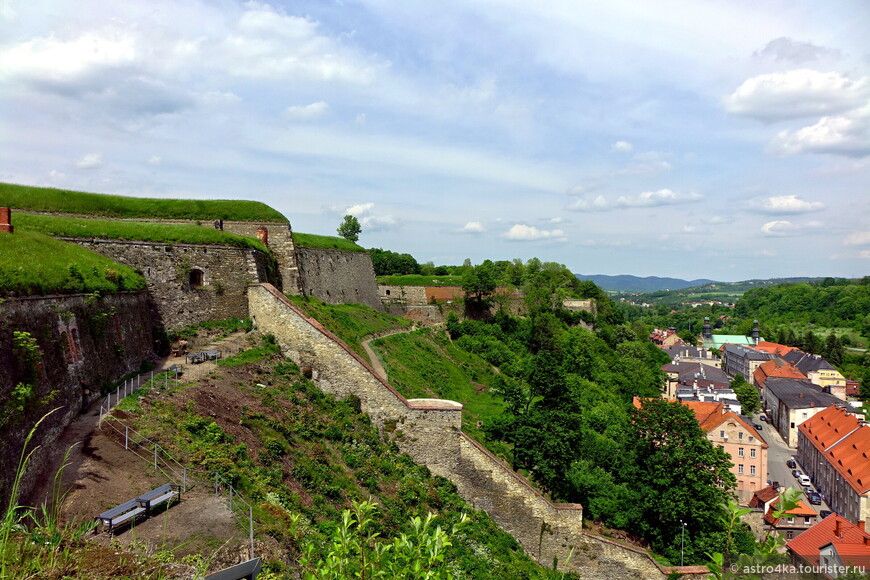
[338, 277]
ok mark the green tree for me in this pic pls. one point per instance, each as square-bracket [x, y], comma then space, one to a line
[681, 478]
[750, 402]
[478, 282]
[350, 228]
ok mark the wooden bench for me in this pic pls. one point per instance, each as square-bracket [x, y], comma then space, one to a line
[165, 493]
[120, 514]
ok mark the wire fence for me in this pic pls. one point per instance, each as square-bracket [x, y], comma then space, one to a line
[160, 460]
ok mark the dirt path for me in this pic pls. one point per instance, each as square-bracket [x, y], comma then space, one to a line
[376, 363]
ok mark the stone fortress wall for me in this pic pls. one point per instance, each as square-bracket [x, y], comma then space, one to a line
[84, 342]
[338, 276]
[190, 282]
[429, 430]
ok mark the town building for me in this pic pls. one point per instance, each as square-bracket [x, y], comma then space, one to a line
[666, 337]
[712, 341]
[733, 434]
[834, 450]
[832, 543]
[777, 367]
[790, 402]
[792, 523]
[741, 360]
[693, 375]
[819, 371]
[685, 353]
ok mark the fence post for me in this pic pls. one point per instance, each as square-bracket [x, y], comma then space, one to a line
[251, 528]
[231, 497]
[155, 456]
[215, 483]
[184, 487]
[101, 414]
[126, 438]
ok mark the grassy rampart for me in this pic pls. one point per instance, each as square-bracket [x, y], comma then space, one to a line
[45, 199]
[32, 263]
[325, 242]
[79, 227]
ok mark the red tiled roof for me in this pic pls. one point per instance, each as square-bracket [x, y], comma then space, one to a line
[773, 347]
[844, 443]
[808, 544]
[802, 509]
[776, 368]
[703, 410]
[762, 496]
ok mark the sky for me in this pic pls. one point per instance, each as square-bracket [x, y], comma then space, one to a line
[722, 139]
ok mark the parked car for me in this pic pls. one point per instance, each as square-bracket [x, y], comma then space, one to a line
[791, 462]
[763, 418]
[757, 427]
[797, 473]
[815, 498]
[805, 481]
[825, 513]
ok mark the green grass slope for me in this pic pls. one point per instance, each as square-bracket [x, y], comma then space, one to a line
[63, 201]
[33, 263]
[301, 456]
[78, 227]
[325, 242]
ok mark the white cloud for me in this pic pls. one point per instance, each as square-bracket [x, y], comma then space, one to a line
[865, 254]
[155, 160]
[847, 134]
[90, 161]
[528, 233]
[472, 228]
[785, 204]
[794, 51]
[648, 162]
[782, 228]
[858, 239]
[622, 147]
[689, 229]
[306, 112]
[797, 93]
[557, 220]
[373, 223]
[645, 199]
[657, 198]
[359, 209]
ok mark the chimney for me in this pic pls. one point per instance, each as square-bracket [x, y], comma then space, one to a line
[6, 220]
[837, 528]
[862, 524]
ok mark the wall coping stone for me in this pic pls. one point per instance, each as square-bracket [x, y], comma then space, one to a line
[150, 243]
[435, 404]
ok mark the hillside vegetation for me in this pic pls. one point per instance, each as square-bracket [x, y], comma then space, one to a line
[78, 227]
[33, 263]
[45, 199]
[301, 457]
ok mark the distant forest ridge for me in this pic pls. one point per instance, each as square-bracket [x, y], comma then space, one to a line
[628, 283]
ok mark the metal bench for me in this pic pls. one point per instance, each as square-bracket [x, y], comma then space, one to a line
[211, 354]
[165, 493]
[120, 514]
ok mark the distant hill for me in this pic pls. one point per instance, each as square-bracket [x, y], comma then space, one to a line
[627, 283]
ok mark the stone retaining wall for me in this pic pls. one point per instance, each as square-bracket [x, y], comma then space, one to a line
[338, 276]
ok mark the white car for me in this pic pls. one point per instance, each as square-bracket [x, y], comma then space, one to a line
[805, 481]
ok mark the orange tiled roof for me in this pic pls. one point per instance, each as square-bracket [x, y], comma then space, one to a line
[807, 544]
[773, 347]
[763, 495]
[714, 421]
[776, 368]
[844, 442]
[703, 410]
[802, 509]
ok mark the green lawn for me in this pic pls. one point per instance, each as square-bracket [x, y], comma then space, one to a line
[32, 263]
[350, 322]
[325, 242]
[79, 227]
[426, 364]
[418, 280]
[64, 201]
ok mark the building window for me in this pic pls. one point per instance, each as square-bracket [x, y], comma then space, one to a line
[740, 468]
[195, 277]
[751, 470]
[722, 434]
[740, 435]
[752, 453]
[740, 452]
[790, 520]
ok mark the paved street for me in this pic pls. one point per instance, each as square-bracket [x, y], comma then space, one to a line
[777, 454]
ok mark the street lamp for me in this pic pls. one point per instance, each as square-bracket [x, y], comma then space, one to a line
[682, 541]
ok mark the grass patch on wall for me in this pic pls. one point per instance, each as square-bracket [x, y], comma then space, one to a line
[77, 202]
[350, 322]
[325, 242]
[32, 263]
[418, 280]
[426, 364]
[78, 227]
